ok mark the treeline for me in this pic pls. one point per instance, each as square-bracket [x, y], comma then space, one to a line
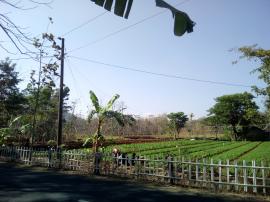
[29, 115]
[155, 126]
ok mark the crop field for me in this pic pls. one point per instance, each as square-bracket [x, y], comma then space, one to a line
[199, 149]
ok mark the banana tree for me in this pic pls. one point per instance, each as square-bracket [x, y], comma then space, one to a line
[16, 126]
[102, 113]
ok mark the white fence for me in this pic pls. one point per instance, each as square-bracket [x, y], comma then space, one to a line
[231, 176]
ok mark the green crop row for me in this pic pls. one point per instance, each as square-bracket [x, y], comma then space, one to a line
[260, 153]
[178, 149]
[141, 147]
[217, 150]
[237, 152]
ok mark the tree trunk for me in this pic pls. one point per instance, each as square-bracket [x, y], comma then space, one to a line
[96, 141]
[174, 136]
[235, 132]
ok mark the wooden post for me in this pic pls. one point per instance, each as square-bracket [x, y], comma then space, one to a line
[170, 169]
[235, 176]
[197, 171]
[204, 172]
[176, 160]
[97, 160]
[228, 174]
[263, 178]
[144, 166]
[254, 177]
[126, 165]
[77, 161]
[49, 157]
[219, 174]
[245, 176]
[189, 170]
[183, 167]
[212, 173]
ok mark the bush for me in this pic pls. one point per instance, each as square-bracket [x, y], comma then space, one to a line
[52, 143]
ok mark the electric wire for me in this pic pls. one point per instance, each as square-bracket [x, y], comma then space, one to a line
[98, 88]
[84, 24]
[160, 74]
[74, 80]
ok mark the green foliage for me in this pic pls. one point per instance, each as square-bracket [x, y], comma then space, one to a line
[52, 143]
[4, 134]
[236, 110]
[41, 92]
[11, 99]
[236, 152]
[103, 113]
[36, 108]
[177, 121]
[262, 57]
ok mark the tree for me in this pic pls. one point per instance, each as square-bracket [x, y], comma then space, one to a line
[236, 110]
[11, 99]
[182, 22]
[103, 113]
[41, 92]
[177, 121]
[262, 57]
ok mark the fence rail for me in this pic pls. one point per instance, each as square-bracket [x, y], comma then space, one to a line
[230, 176]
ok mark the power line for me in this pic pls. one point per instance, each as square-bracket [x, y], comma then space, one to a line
[84, 24]
[124, 28]
[74, 80]
[161, 74]
[96, 87]
[30, 58]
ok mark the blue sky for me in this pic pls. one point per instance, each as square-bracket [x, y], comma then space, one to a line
[151, 46]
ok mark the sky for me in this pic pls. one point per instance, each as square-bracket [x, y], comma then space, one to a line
[151, 46]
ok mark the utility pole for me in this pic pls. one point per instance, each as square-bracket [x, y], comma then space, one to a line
[61, 93]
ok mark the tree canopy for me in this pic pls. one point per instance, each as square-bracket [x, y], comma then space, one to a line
[235, 110]
[11, 99]
[177, 121]
[261, 56]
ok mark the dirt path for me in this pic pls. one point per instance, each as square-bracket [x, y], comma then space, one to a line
[26, 185]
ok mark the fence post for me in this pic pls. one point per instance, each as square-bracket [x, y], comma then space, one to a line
[197, 171]
[204, 172]
[212, 173]
[183, 167]
[236, 175]
[254, 177]
[245, 176]
[126, 164]
[30, 155]
[219, 174]
[97, 158]
[170, 169]
[263, 177]
[189, 170]
[228, 174]
[49, 156]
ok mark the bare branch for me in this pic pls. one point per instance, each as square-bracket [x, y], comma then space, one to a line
[16, 34]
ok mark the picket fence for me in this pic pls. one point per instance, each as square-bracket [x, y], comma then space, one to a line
[218, 176]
